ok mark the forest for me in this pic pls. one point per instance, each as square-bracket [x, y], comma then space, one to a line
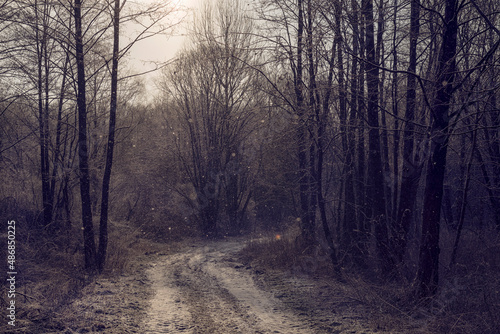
[367, 131]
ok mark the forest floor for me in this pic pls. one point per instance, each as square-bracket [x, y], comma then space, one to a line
[207, 287]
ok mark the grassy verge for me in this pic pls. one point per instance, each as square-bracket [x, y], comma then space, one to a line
[50, 274]
[468, 300]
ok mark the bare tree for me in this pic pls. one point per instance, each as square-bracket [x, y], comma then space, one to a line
[428, 272]
[103, 223]
[375, 182]
[215, 99]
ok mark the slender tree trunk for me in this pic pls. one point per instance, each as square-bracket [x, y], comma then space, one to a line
[314, 115]
[88, 228]
[384, 150]
[357, 170]
[307, 225]
[411, 169]
[395, 111]
[349, 212]
[494, 199]
[58, 160]
[428, 268]
[43, 108]
[465, 191]
[319, 180]
[103, 224]
[375, 181]
[364, 227]
[322, 122]
[492, 136]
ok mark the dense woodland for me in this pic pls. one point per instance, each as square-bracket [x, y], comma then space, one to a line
[371, 128]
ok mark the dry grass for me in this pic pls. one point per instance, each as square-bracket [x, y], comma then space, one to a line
[468, 300]
[469, 296]
[48, 276]
[122, 241]
[50, 272]
[162, 225]
[272, 252]
[283, 251]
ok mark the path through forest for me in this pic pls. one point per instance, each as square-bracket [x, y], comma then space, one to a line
[204, 289]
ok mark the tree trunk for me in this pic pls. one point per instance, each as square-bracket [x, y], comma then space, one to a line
[395, 112]
[375, 181]
[349, 224]
[103, 224]
[490, 187]
[465, 191]
[313, 113]
[364, 229]
[428, 268]
[492, 137]
[411, 169]
[58, 159]
[88, 228]
[43, 110]
[307, 224]
[319, 181]
[322, 122]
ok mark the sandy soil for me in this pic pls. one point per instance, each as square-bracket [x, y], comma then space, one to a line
[203, 287]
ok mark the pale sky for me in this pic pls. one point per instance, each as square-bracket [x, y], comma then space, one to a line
[161, 48]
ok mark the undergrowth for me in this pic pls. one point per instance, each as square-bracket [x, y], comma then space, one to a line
[468, 300]
[50, 273]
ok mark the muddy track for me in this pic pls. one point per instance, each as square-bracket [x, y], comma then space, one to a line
[205, 290]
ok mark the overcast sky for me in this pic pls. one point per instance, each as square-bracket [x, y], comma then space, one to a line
[161, 48]
[164, 47]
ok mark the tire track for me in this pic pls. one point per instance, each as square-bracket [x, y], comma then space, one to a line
[201, 290]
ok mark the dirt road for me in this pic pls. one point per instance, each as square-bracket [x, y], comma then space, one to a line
[205, 290]
[202, 287]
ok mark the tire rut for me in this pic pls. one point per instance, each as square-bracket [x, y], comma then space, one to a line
[201, 290]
